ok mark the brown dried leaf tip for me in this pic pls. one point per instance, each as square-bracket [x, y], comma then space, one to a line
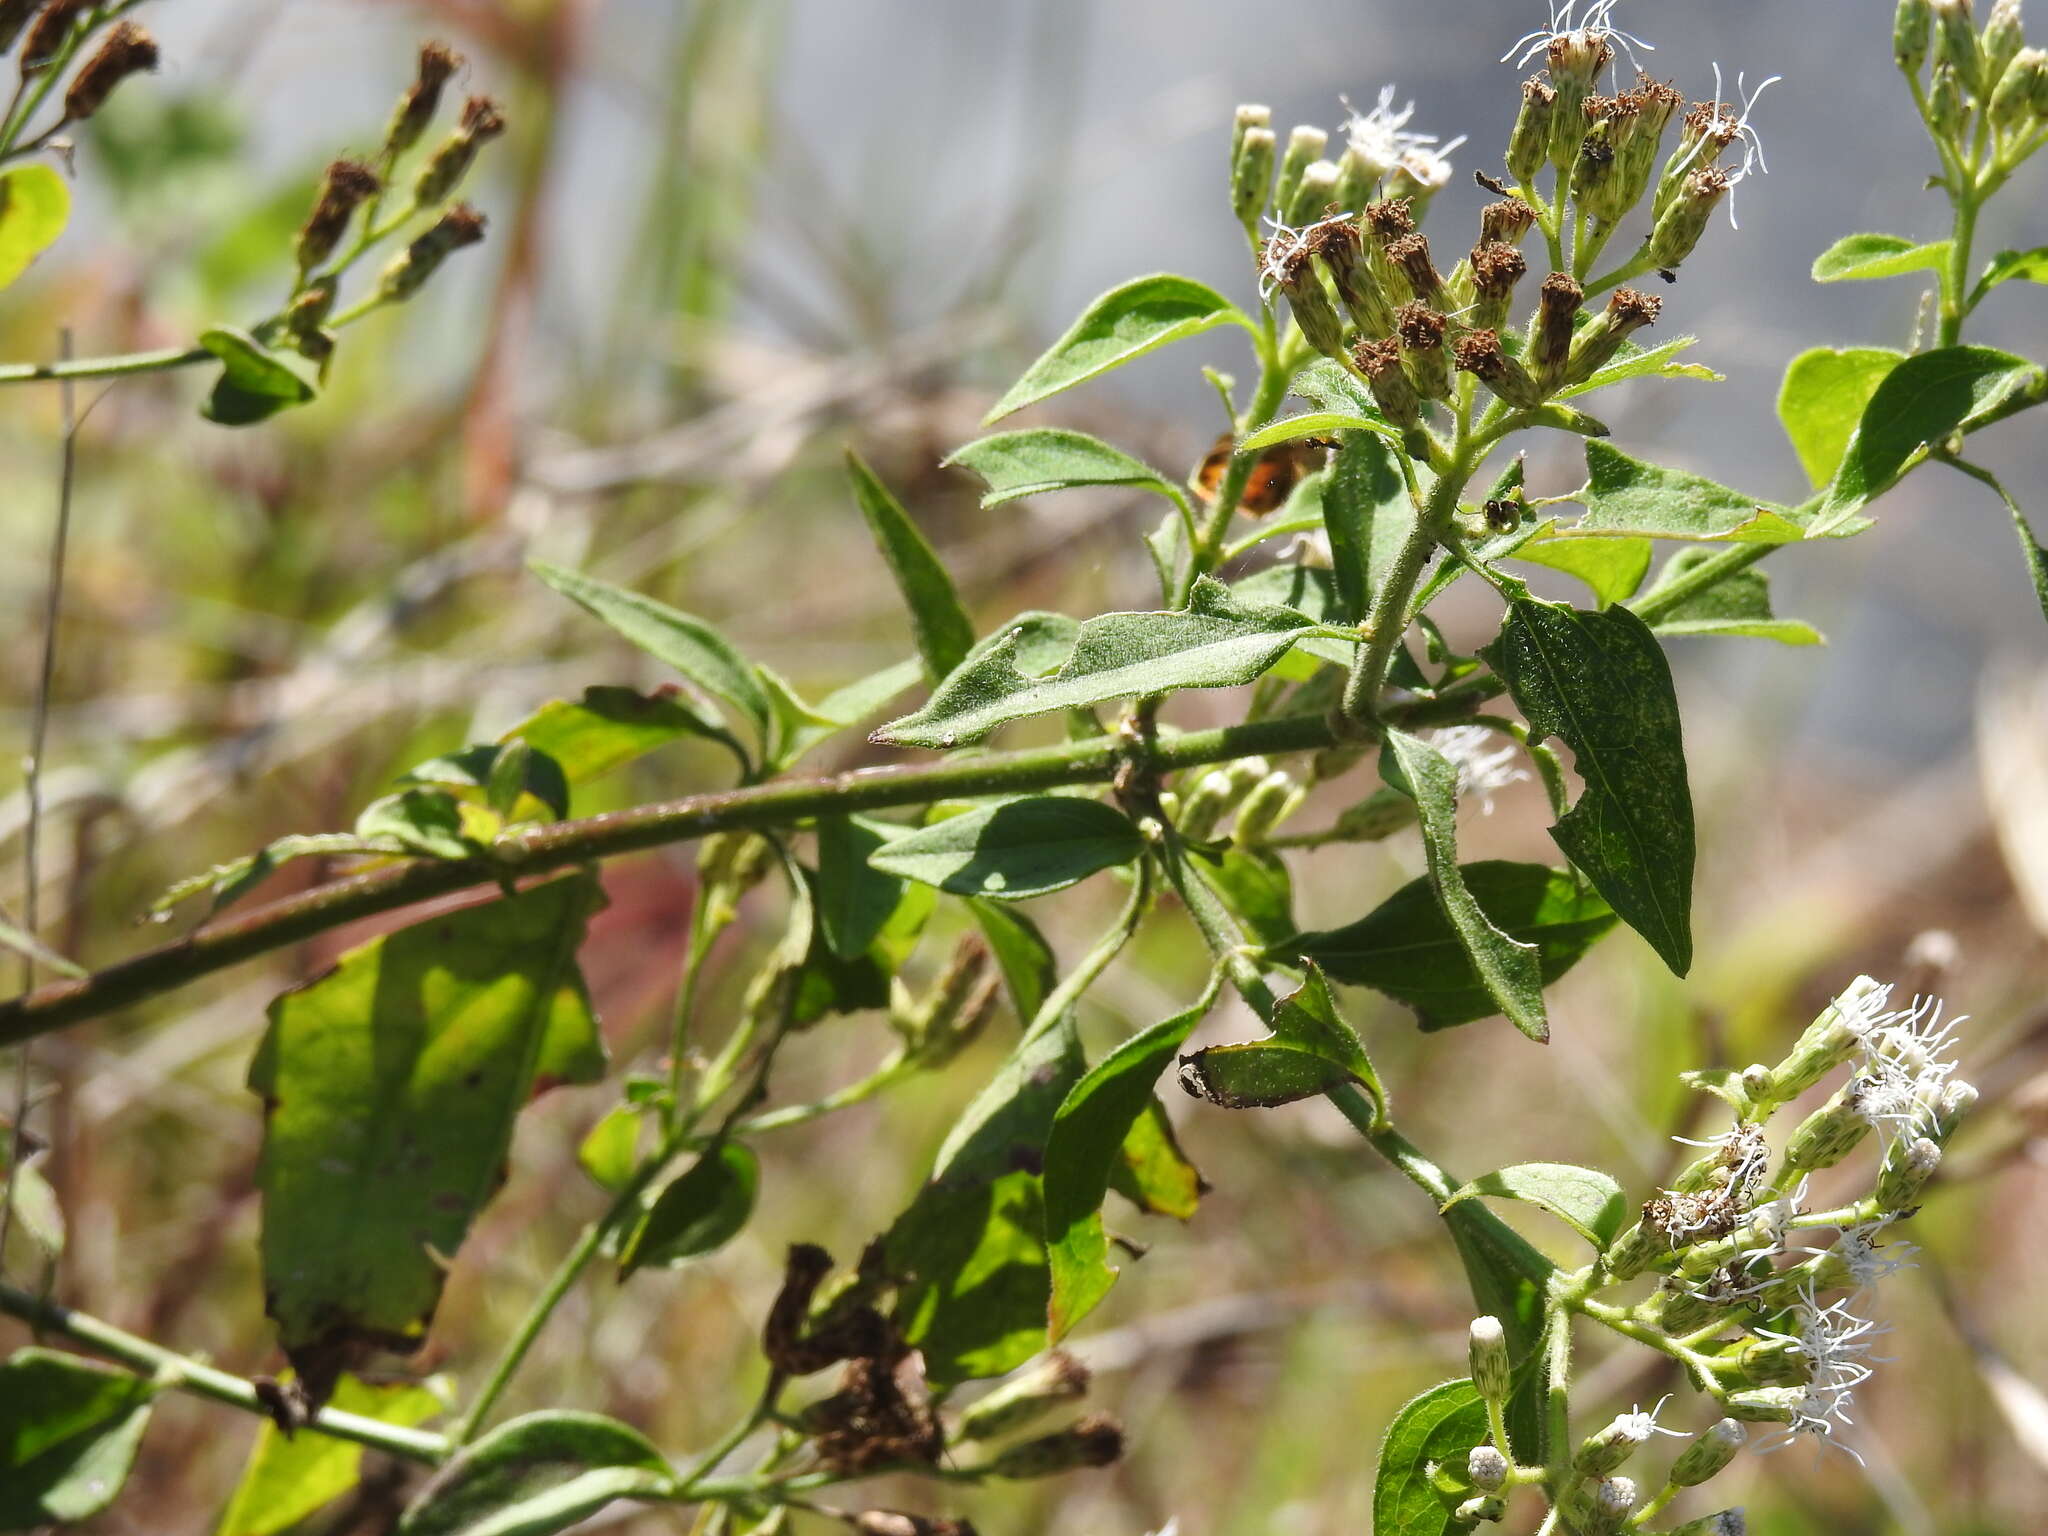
[127, 50]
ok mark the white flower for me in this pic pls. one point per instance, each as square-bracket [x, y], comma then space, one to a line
[1482, 766]
[1636, 1426]
[1836, 1343]
[1381, 139]
[1867, 1263]
[1593, 29]
[1429, 169]
[1724, 127]
[1904, 1068]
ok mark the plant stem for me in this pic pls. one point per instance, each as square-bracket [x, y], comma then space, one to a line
[1389, 618]
[561, 845]
[1956, 279]
[121, 366]
[182, 1374]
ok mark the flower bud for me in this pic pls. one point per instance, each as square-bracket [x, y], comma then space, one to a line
[416, 109]
[443, 173]
[349, 183]
[1480, 353]
[1096, 1441]
[1947, 107]
[1487, 1468]
[1305, 146]
[1595, 346]
[1342, 249]
[1595, 175]
[1249, 115]
[1709, 1454]
[1606, 1449]
[733, 861]
[1321, 326]
[309, 311]
[1315, 194]
[1356, 180]
[1410, 256]
[1729, 1522]
[1614, 1500]
[1957, 1100]
[1678, 231]
[2004, 36]
[1829, 1134]
[1766, 1405]
[1487, 1348]
[1251, 178]
[1827, 1042]
[127, 50]
[1655, 105]
[959, 1004]
[2024, 82]
[1556, 306]
[1779, 1362]
[1272, 800]
[1214, 794]
[1908, 1165]
[1421, 331]
[1059, 1378]
[1576, 59]
[1487, 1506]
[1956, 43]
[52, 30]
[410, 268]
[1380, 814]
[1529, 144]
[1911, 24]
[1630, 1253]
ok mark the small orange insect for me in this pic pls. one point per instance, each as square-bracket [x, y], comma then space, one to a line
[1273, 478]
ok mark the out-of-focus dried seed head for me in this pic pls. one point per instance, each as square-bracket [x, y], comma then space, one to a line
[126, 50]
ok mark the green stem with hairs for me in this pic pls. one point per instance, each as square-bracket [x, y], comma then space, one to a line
[180, 1373]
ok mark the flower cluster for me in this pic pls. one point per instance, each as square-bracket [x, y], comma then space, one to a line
[1773, 1330]
[1343, 240]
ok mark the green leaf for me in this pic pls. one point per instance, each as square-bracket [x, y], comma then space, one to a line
[610, 727]
[2035, 556]
[689, 645]
[854, 898]
[1625, 495]
[1257, 888]
[1509, 970]
[537, 1475]
[476, 767]
[1290, 429]
[1216, 642]
[1364, 498]
[1151, 1170]
[1125, 323]
[37, 1211]
[1438, 1427]
[1406, 947]
[35, 205]
[1335, 390]
[1859, 258]
[2032, 266]
[68, 1435]
[1613, 568]
[390, 1086]
[1634, 362]
[1587, 1201]
[1310, 1051]
[1087, 1139]
[700, 1211]
[1784, 631]
[1016, 850]
[1029, 463]
[799, 727]
[611, 1152]
[255, 382]
[943, 631]
[970, 1250]
[1599, 682]
[288, 1478]
[1738, 604]
[1822, 400]
[1921, 401]
[427, 822]
[1022, 955]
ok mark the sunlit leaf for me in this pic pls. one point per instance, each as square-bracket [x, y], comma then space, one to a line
[538, 1475]
[939, 622]
[1586, 1200]
[1862, 257]
[1433, 1429]
[69, 1430]
[288, 1478]
[35, 205]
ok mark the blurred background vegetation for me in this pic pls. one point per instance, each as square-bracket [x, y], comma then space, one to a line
[730, 237]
